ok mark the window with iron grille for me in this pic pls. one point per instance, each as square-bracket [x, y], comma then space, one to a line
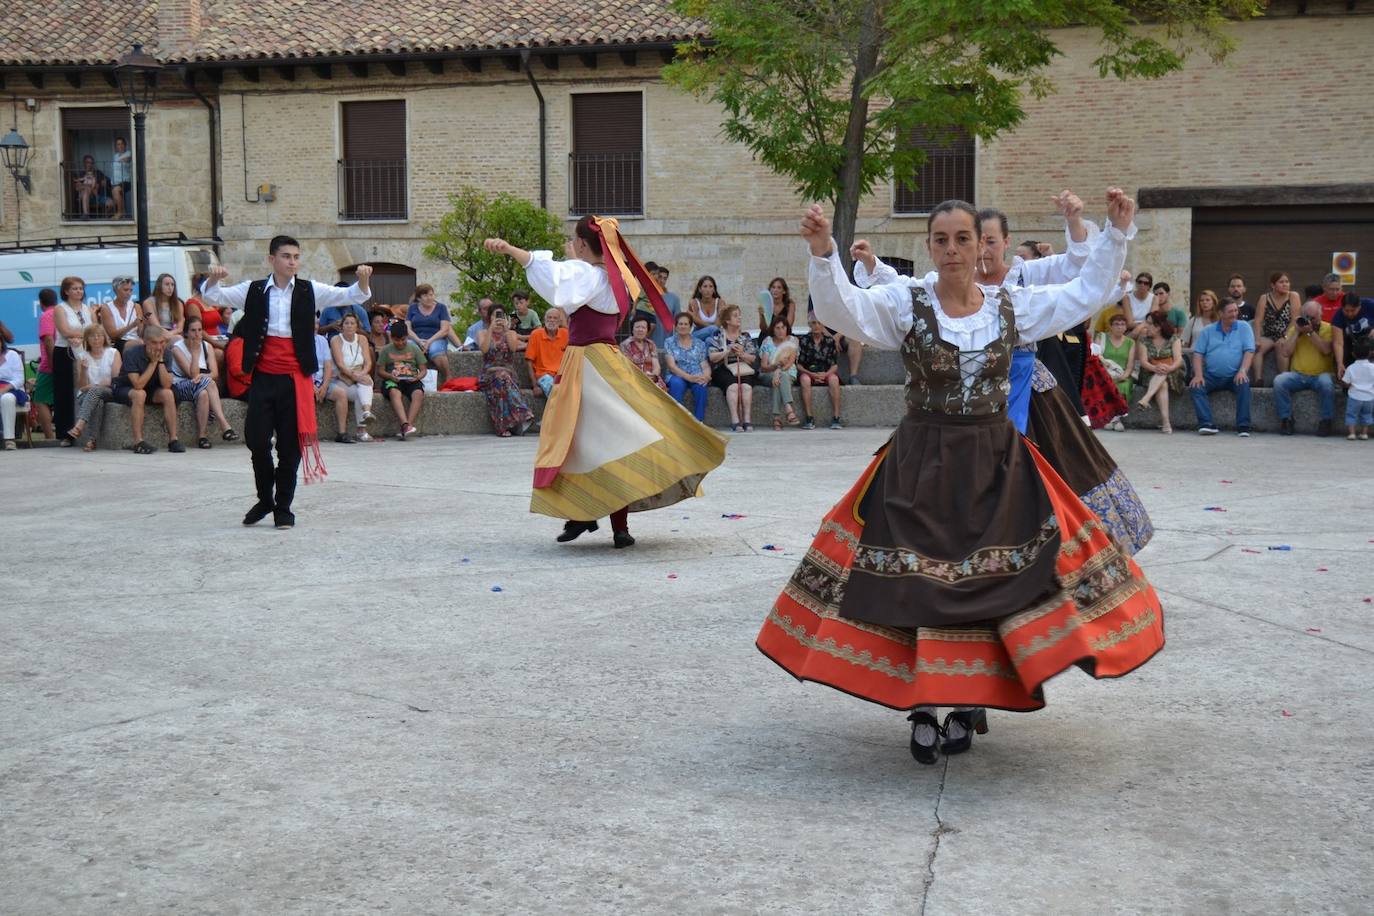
[372, 172]
[606, 165]
[946, 175]
[96, 171]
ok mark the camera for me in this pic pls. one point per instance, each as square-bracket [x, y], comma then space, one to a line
[1302, 321]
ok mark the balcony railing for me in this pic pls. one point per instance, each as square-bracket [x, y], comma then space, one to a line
[92, 194]
[610, 183]
[373, 189]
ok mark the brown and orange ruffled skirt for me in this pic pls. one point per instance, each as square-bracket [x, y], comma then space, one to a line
[961, 570]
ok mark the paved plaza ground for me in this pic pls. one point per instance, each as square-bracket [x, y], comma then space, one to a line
[416, 702]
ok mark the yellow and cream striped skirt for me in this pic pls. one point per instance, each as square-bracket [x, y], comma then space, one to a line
[612, 439]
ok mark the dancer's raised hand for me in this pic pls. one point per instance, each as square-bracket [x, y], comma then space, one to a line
[863, 251]
[815, 228]
[498, 246]
[1068, 204]
[1120, 208]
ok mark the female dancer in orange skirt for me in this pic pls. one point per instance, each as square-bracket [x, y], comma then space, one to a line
[960, 570]
[611, 442]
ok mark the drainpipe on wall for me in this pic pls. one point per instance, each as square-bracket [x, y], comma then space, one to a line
[190, 78]
[543, 140]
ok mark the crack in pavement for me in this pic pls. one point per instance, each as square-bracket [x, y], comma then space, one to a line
[1287, 628]
[935, 835]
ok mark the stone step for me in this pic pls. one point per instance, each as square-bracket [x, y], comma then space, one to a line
[465, 412]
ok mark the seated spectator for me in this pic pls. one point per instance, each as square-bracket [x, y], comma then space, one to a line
[211, 319]
[1205, 312]
[121, 318]
[704, 307]
[1222, 355]
[430, 327]
[778, 369]
[670, 299]
[1307, 347]
[378, 330]
[195, 377]
[329, 388]
[331, 319]
[96, 367]
[732, 354]
[401, 365]
[1119, 359]
[1160, 355]
[352, 359]
[510, 415]
[1235, 289]
[1332, 296]
[779, 303]
[685, 358]
[544, 352]
[1273, 314]
[236, 381]
[92, 188]
[165, 308]
[1354, 321]
[12, 393]
[524, 321]
[1359, 403]
[1138, 302]
[1177, 316]
[640, 349]
[818, 364]
[484, 307]
[143, 379]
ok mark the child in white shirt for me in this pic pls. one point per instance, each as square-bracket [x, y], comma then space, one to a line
[1359, 403]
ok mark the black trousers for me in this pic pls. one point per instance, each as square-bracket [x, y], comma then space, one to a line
[63, 390]
[272, 410]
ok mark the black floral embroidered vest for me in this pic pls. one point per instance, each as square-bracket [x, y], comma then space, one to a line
[935, 380]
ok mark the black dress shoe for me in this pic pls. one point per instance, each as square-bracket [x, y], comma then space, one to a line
[970, 720]
[572, 530]
[623, 539]
[283, 518]
[1286, 426]
[924, 753]
[256, 514]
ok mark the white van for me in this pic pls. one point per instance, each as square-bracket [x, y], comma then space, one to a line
[23, 274]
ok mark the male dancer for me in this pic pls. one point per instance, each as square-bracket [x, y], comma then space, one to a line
[278, 331]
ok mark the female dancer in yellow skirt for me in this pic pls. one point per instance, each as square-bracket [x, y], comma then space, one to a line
[611, 442]
[960, 570]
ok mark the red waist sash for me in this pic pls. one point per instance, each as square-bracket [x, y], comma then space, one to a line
[278, 357]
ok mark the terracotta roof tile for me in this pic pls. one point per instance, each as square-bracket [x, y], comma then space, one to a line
[74, 32]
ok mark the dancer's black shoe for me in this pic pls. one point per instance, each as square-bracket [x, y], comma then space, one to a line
[573, 530]
[283, 518]
[962, 724]
[256, 514]
[924, 753]
[623, 539]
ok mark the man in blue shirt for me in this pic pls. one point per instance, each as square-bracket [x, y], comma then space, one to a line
[1222, 355]
[331, 317]
[1354, 320]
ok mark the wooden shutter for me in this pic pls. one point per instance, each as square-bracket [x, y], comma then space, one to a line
[372, 173]
[947, 174]
[96, 119]
[607, 161]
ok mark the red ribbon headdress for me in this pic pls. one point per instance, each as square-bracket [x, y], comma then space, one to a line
[627, 274]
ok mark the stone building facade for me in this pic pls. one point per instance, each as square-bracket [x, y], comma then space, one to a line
[1276, 132]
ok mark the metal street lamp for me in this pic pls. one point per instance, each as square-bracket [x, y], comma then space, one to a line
[137, 73]
[15, 154]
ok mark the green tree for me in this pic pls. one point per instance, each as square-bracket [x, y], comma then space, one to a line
[827, 92]
[474, 217]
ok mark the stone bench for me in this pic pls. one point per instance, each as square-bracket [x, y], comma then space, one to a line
[1264, 416]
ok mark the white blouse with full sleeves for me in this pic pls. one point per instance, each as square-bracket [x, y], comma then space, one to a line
[881, 316]
[1057, 268]
[570, 284]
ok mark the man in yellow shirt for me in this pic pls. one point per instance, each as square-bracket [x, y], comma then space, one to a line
[1307, 347]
